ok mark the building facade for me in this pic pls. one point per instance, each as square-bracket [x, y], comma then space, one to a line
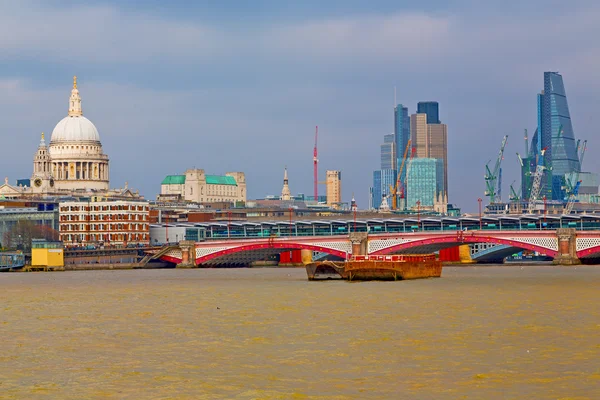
[388, 152]
[424, 183]
[21, 223]
[431, 109]
[382, 180]
[104, 223]
[555, 137]
[431, 141]
[198, 187]
[334, 189]
[401, 132]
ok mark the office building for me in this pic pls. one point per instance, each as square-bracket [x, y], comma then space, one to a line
[117, 223]
[334, 189]
[431, 141]
[424, 179]
[388, 152]
[401, 131]
[198, 187]
[555, 134]
[382, 180]
[431, 109]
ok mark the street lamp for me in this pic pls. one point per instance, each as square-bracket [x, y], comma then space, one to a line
[479, 201]
[290, 210]
[419, 214]
[228, 224]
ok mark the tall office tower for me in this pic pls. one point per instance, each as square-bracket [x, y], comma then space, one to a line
[388, 152]
[437, 135]
[431, 141]
[557, 135]
[424, 182]
[334, 188]
[418, 135]
[402, 132]
[376, 192]
[432, 109]
[382, 180]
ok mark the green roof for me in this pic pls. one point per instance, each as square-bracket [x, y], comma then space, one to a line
[174, 180]
[220, 180]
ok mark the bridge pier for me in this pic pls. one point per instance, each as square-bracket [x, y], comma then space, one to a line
[360, 243]
[567, 249]
[188, 254]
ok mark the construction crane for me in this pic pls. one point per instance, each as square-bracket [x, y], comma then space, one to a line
[394, 189]
[514, 196]
[403, 184]
[492, 176]
[573, 190]
[408, 165]
[316, 166]
[537, 182]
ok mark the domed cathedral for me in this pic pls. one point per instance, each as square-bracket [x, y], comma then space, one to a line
[74, 160]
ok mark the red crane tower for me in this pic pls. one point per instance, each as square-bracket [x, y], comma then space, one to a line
[315, 166]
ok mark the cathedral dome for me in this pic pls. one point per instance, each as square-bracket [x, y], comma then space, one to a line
[75, 129]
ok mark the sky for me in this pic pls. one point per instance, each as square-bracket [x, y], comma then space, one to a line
[240, 86]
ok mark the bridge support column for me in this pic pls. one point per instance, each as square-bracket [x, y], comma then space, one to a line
[188, 254]
[567, 249]
[360, 243]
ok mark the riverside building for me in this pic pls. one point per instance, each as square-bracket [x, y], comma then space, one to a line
[118, 223]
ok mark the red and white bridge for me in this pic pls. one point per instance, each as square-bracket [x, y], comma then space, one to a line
[561, 244]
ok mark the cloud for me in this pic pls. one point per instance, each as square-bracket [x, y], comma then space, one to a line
[230, 93]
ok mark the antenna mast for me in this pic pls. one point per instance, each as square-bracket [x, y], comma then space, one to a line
[315, 166]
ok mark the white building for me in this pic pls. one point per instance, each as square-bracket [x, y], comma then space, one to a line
[198, 187]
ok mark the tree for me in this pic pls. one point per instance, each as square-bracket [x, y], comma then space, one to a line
[21, 234]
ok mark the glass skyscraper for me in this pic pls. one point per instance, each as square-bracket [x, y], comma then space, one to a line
[382, 180]
[432, 109]
[555, 134]
[388, 152]
[402, 132]
[425, 181]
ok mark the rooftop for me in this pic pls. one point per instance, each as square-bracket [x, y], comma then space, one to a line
[173, 180]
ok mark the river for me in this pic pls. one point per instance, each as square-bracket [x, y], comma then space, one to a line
[518, 332]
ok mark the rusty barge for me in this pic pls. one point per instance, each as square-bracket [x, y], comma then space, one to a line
[397, 267]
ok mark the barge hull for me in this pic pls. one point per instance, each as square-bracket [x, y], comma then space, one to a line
[379, 269]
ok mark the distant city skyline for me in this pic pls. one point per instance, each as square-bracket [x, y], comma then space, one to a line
[183, 85]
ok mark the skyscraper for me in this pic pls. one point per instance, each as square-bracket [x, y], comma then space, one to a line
[402, 132]
[382, 180]
[424, 182]
[431, 109]
[334, 188]
[388, 152]
[557, 134]
[431, 141]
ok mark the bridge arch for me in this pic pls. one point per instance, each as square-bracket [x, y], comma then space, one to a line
[439, 242]
[592, 252]
[268, 249]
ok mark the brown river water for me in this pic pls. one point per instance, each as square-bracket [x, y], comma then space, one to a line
[493, 332]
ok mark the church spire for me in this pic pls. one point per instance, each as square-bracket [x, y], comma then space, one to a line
[285, 191]
[42, 141]
[75, 101]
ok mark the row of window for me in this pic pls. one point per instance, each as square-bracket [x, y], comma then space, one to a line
[119, 207]
[103, 227]
[112, 237]
[98, 217]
